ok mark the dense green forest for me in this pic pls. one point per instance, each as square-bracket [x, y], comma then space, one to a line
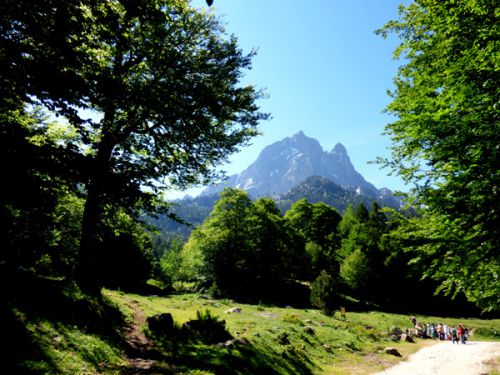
[105, 105]
[248, 250]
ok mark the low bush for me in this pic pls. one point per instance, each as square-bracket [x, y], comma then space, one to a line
[324, 294]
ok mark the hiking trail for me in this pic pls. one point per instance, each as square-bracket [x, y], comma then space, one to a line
[444, 358]
[141, 354]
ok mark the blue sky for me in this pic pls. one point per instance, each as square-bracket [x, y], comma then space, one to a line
[325, 72]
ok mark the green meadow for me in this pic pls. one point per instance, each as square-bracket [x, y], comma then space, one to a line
[287, 340]
[69, 333]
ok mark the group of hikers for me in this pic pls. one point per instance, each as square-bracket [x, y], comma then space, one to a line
[440, 331]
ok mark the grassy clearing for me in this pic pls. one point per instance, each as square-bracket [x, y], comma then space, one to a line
[67, 333]
[288, 340]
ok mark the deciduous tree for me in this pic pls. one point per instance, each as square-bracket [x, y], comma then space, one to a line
[163, 79]
[318, 224]
[446, 136]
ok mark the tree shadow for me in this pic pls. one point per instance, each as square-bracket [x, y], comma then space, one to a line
[209, 349]
[33, 299]
[27, 301]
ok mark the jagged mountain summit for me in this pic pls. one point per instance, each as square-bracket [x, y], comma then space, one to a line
[283, 165]
[293, 168]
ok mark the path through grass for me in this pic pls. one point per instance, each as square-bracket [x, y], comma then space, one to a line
[284, 340]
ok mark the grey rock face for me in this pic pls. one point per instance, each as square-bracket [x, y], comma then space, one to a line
[285, 164]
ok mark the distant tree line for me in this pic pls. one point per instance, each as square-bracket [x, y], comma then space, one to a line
[248, 251]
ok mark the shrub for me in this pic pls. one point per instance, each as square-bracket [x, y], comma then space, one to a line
[489, 333]
[206, 328]
[323, 293]
[283, 338]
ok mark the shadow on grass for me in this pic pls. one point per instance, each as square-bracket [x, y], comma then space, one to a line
[238, 359]
[19, 345]
[38, 314]
[203, 344]
[35, 311]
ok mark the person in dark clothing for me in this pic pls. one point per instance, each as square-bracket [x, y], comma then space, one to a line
[414, 320]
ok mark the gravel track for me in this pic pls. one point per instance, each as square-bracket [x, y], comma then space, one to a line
[446, 358]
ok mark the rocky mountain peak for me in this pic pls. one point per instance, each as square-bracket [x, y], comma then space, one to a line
[339, 150]
[299, 135]
[286, 163]
[301, 143]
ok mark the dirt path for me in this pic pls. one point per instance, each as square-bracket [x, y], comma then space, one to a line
[446, 358]
[141, 354]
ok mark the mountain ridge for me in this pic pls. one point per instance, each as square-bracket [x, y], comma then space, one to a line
[301, 169]
[283, 165]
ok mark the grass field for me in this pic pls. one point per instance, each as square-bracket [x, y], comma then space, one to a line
[53, 330]
[287, 340]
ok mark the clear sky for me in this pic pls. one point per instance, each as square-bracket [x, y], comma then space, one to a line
[325, 71]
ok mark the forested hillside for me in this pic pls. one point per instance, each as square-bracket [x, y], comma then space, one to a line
[249, 250]
[194, 210]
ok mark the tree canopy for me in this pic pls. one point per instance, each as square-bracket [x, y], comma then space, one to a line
[162, 79]
[243, 249]
[446, 136]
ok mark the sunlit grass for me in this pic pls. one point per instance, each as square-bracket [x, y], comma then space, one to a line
[327, 345]
[281, 340]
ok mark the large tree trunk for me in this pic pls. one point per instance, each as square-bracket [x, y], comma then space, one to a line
[86, 267]
[87, 272]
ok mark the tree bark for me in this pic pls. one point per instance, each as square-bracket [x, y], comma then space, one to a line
[88, 273]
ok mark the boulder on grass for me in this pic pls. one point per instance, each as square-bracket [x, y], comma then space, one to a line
[327, 348]
[392, 351]
[309, 330]
[233, 310]
[407, 338]
[209, 331]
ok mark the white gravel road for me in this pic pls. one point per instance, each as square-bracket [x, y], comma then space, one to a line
[445, 358]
